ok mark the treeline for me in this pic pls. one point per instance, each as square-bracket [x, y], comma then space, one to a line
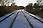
[35, 9]
[7, 9]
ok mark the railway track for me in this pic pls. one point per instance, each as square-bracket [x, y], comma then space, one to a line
[20, 17]
[28, 20]
[35, 17]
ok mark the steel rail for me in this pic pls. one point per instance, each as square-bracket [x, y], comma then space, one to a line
[28, 21]
[13, 20]
[36, 18]
[6, 17]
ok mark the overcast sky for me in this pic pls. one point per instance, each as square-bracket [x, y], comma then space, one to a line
[24, 2]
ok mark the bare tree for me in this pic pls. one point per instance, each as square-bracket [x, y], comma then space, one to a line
[2, 2]
[39, 1]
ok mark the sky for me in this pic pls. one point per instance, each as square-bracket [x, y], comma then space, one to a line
[24, 2]
[21, 2]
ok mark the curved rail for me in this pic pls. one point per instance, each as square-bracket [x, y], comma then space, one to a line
[13, 20]
[28, 21]
[36, 18]
[6, 17]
